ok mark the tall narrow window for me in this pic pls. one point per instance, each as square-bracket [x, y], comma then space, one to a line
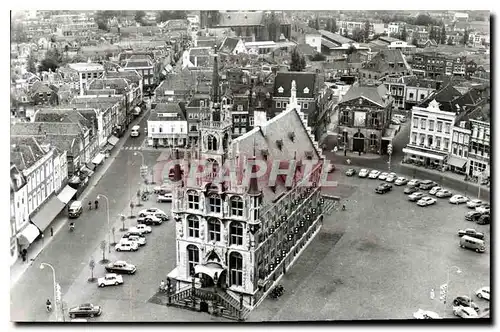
[193, 258]
[212, 143]
[236, 269]
[237, 206]
[193, 226]
[193, 200]
[236, 233]
[214, 229]
[214, 203]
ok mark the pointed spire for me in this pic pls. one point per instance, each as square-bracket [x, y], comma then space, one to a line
[253, 188]
[215, 78]
[177, 168]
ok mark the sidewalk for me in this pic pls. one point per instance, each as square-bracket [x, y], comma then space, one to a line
[352, 155]
[19, 267]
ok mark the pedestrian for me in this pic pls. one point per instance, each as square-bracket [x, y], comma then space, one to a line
[359, 151]
[345, 152]
[90, 205]
[96, 204]
[24, 253]
[51, 231]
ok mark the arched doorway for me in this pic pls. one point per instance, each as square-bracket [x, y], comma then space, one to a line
[358, 142]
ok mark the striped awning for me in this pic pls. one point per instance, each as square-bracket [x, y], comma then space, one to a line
[28, 235]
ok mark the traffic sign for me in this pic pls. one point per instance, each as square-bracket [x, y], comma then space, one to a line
[389, 149]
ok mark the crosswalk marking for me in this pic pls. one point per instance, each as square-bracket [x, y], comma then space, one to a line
[131, 148]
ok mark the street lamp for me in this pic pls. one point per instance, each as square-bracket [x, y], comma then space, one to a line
[107, 211]
[42, 265]
[458, 271]
[142, 156]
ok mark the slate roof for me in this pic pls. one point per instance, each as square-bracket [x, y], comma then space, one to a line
[195, 100]
[446, 97]
[241, 18]
[302, 80]
[415, 82]
[167, 108]
[228, 45]
[118, 84]
[25, 151]
[40, 87]
[138, 63]
[133, 76]
[200, 51]
[382, 60]
[373, 93]
[62, 115]
[265, 137]
[335, 37]
[41, 128]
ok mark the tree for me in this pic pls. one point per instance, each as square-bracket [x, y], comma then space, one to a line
[443, 35]
[103, 248]
[334, 26]
[432, 34]
[30, 64]
[366, 31]
[450, 41]
[329, 24]
[297, 62]
[466, 36]
[316, 23]
[423, 20]
[92, 266]
[317, 57]
[403, 34]
[139, 16]
[310, 23]
[414, 41]
[357, 34]
[113, 230]
[166, 15]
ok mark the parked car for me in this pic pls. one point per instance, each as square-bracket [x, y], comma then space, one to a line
[127, 246]
[373, 174]
[85, 310]
[363, 173]
[126, 235]
[141, 228]
[391, 177]
[162, 189]
[425, 201]
[164, 198]
[427, 184]
[383, 188]
[471, 232]
[145, 212]
[75, 209]
[464, 312]
[434, 190]
[110, 279]
[401, 181]
[150, 220]
[410, 190]
[350, 172]
[330, 168]
[443, 193]
[473, 215]
[458, 199]
[474, 203]
[472, 243]
[121, 267]
[415, 196]
[425, 314]
[483, 208]
[413, 183]
[465, 301]
[382, 176]
[141, 240]
[484, 219]
[483, 293]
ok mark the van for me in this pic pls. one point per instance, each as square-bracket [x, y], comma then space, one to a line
[75, 209]
[400, 117]
[135, 132]
[472, 243]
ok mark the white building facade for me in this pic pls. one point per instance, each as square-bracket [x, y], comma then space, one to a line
[86, 73]
[314, 40]
[479, 150]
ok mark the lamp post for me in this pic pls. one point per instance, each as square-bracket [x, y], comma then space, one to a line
[457, 269]
[42, 265]
[107, 211]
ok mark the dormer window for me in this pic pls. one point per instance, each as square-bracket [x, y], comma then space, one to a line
[279, 144]
[306, 90]
[280, 89]
[291, 136]
[264, 153]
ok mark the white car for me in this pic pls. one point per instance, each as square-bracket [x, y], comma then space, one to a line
[363, 173]
[152, 219]
[145, 212]
[483, 208]
[444, 193]
[474, 203]
[383, 176]
[141, 228]
[134, 238]
[415, 196]
[434, 190]
[391, 177]
[414, 183]
[458, 199]
[483, 293]
[165, 198]
[464, 312]
[127, 246]
[373, 174]
[425, 314]
[110, 279]
[425, 201]
[401, 181]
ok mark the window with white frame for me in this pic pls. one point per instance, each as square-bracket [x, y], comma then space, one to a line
[414, 138]
[447, 128]
[240, 108]
[306, 105]
[251, 121]
[373, 140]
[461, 138]
[422, 139]
[236, 206]
[214, 203]
[446, 143]
[236, 233]
[422, 124]
[214, 229]
[236, 269]
[431, 125]
[193, 226]
[455, 136]
[193, 258]
[439, 126]
[415, 122]
[438, 142]
[278, 104]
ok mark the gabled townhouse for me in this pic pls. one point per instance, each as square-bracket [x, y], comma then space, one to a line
[197, 57]
[144, 65]
[418, 89]
[167, 126]
[86, 72]
[479, 164]
[231, 45]
[176, 87]
[386, 62]
[197, 110]
[42, 94]
[18, 211]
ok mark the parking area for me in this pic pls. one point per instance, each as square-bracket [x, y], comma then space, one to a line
[380, 259]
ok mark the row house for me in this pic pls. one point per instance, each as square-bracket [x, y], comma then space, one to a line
[18, 210]
[460, 140]
[385, 62]
[198, 110]
[364, 117]
[86, 72]
[479, 38]
[397, 88]
[348, 27]
[434, 65]
[418, 90]
[167, 126]
[44, 174]
[176, 87]
[306, 85]
[325, 103]
[430, 134]
[144, 65]
[42, 94]
[479, 151]
[106, 112]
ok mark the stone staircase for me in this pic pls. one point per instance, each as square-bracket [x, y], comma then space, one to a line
[235, 304]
